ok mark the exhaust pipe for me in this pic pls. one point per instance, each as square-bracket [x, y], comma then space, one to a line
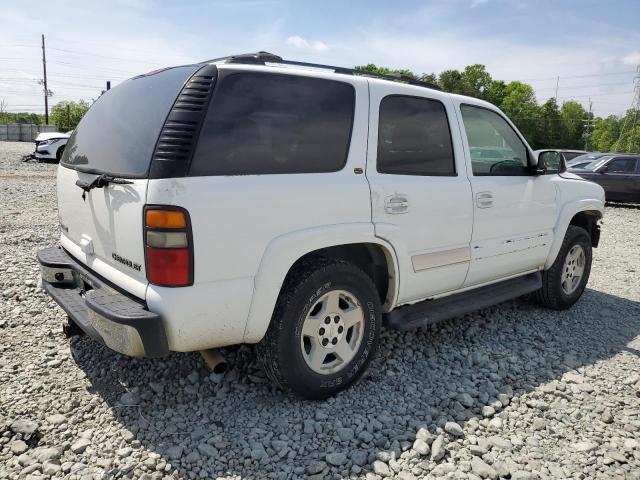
[214, 360]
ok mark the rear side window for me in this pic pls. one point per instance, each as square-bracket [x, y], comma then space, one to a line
[622, 165]
[414, 137]
[119, 132]
[263, 123]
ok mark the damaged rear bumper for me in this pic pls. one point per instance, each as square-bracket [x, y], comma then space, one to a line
[105, 314]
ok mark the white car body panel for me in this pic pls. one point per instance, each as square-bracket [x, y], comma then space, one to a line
[107, 221]
[248, 230]
[439, 216]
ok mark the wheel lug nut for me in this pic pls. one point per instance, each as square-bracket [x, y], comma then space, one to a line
[340, 329]
[337, 319]
[321, 331]
[325, 342]
[334, 341]
[327, 320]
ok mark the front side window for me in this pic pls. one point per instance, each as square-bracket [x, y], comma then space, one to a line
[622, 165]
[414, 137]
[264, 123]
[495, 147]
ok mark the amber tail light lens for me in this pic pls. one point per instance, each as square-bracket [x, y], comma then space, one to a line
[168, 246]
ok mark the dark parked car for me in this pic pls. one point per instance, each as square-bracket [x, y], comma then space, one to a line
[619, 175]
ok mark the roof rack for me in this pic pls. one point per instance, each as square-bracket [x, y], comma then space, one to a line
[263, 58]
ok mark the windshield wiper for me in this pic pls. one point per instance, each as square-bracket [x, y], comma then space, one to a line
[101, 181]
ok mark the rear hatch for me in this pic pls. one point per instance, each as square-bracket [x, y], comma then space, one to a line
[102, 227]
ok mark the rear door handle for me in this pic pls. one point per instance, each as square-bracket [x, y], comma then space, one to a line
[484, 199]
[396, 203]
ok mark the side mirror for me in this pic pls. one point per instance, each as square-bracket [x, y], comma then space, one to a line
[602, 169]
[550, 161]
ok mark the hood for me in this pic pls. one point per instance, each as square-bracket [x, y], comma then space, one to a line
[49, 135]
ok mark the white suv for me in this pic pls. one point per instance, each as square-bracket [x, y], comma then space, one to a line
[300, 207]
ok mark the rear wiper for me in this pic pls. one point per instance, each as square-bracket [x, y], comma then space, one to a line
[101, 181]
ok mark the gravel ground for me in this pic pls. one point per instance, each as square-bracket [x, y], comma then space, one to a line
[513, 391]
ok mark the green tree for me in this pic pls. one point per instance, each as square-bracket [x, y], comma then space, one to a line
[519, 103]
[373, 68]
[495, 92]
[66, 115]
[605, 133]
[549, 125]
[452, 81]
[573, 117]
[477, 80]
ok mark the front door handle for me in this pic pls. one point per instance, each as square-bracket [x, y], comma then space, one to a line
[396, 203]
[484, 199]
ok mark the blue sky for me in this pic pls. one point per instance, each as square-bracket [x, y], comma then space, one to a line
[594, 46]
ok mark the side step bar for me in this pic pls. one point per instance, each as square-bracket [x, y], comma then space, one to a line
[427, 312]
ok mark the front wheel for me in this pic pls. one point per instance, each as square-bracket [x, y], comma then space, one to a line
[59, 153]
[564, 282]
[325, 329]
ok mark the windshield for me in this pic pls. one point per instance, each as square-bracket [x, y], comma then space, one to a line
[595, 164]
[586, 158]
[119, 132]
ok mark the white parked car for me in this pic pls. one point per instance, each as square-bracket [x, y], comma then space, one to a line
[50, 145]
[300, 207]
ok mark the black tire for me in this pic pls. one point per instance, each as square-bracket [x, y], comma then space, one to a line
[59, 153]
[280, 350]
[552, 295]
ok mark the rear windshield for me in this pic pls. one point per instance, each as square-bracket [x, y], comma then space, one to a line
[119, 132]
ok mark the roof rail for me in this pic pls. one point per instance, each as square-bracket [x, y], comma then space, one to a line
[263, 58]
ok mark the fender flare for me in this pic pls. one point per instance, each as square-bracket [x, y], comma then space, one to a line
[283, 251]
[564, 219]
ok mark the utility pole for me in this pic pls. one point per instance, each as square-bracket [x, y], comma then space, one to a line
[46, 90]
[557, 83]
[587, 126]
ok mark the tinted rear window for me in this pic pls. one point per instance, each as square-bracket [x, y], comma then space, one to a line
[119, 132]
[414, 137]
[263, 123]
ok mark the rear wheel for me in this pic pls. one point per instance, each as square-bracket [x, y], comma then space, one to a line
[564, 282]
[324, 330]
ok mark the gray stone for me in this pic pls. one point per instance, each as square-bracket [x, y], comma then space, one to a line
[346, 434]
[437, 449]
[585, 446]
[17, 447]
[80, 445]
[42, 454]
[523, 475]
[130, 398]
[465, 400]
[56, 419]
[480, 468]
[359, 457]
[314, 467]
[207, 450]
[174, 453]
[24, 427]
[421, 447]
[452, 428]
[336, 459]
[382, 469]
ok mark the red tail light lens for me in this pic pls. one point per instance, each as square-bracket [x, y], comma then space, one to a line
[168, 246]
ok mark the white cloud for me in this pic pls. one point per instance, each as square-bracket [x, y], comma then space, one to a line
[300, 42]
[632, 59]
